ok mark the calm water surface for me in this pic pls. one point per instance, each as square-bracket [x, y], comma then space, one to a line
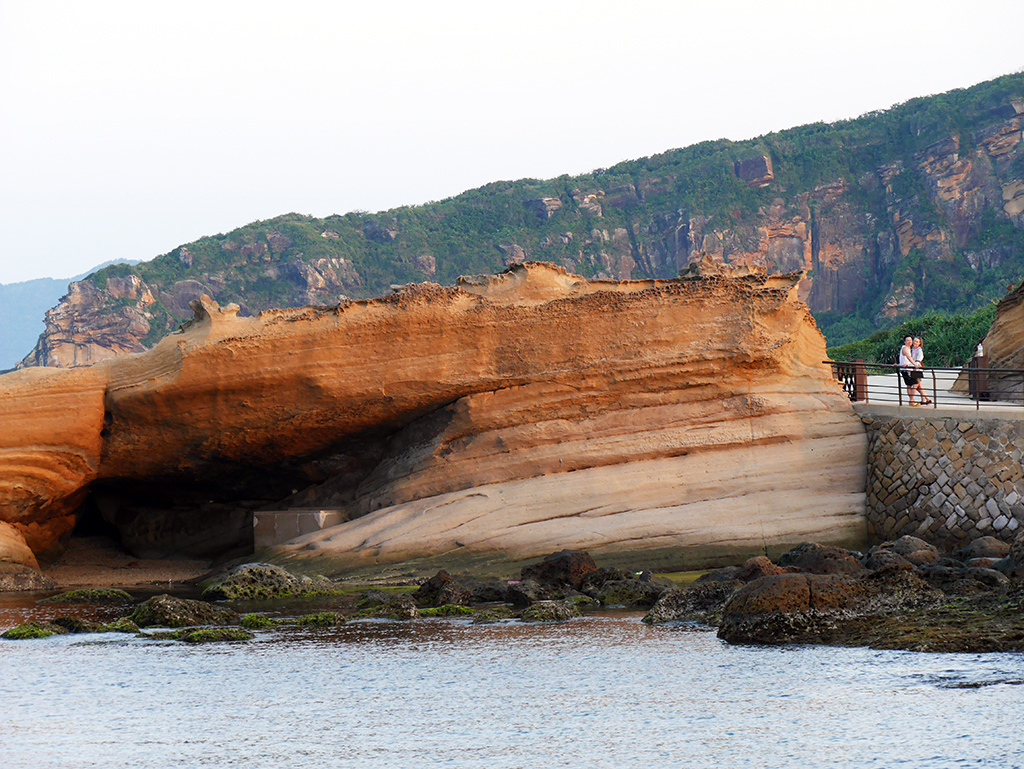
[601, 691]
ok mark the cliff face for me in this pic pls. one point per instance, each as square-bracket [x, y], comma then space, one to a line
[509, 414]
[1004, 348]
[892, 215]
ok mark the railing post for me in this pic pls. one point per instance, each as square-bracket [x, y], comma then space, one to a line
[935, 392]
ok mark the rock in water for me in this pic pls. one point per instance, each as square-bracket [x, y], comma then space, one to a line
[169, 611]
[256, 581]
[564, 569]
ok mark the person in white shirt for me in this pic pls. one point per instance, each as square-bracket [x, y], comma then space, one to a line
[908, 370]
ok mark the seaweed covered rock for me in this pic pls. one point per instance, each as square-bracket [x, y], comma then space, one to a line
[383, 605]
[30, 630]
[550, 611]
[91, 595]
[701, 602]
[442, 589]
[561, 570]
[203, 635]
[169, 611]
[630, 593]
[260, 581]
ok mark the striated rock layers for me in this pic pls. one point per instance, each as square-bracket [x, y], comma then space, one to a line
[511, 414]
[1004, 348]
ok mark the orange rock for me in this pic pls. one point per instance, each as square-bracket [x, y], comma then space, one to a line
[522, 413]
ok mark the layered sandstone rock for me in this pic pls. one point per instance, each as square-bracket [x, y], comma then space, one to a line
[1004, 348]
[517, 414]
[49, 452]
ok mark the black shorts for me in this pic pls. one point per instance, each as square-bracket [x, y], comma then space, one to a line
[911, 378]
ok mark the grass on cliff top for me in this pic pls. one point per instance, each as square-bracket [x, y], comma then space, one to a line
[949, 340]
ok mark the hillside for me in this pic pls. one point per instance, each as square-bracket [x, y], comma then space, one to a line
[915, 209]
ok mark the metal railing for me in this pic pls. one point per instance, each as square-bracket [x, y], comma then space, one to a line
[975, 384]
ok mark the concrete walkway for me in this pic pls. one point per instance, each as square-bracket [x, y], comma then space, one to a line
[886, 391]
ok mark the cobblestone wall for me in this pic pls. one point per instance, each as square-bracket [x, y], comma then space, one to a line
[945, 480]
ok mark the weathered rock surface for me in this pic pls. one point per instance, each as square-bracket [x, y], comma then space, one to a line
[1004, 349]
[518, 413]
[550, 611]
[442, 590]
[260, 581]
[170, 611]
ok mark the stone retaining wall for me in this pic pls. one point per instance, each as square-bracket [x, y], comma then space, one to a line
[945, 479]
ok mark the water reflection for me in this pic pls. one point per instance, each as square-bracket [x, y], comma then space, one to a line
[600, 691]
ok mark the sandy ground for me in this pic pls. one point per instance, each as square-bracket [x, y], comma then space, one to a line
[99, 562]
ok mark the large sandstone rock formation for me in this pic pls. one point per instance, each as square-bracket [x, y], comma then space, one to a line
[517, 413]
[1004, 348]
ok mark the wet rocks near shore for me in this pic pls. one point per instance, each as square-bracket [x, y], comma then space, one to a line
[901, 594]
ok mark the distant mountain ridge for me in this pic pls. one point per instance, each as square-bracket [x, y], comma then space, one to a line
[892, 214]
[22, 306]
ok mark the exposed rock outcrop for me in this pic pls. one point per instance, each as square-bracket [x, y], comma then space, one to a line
[519, 414]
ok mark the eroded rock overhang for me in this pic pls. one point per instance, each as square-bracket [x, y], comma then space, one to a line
[512, 413]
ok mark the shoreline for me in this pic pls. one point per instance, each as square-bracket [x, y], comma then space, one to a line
[98, 562]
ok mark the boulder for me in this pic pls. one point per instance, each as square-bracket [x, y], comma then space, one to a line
[260, 581]
[773, 609]
[884, 558]
[485, 589]
[377, 603]
[91, 595]
[595, 580]
[701, 602]
[984, 547]
[525, 592]
[1013, 564]
[812, 558]
[441, 590]
[916, 550]
[723, 574]
[170, 611]
[630, 593]
[759, 566]
[550, 611]
[564, 569]
[31, 630]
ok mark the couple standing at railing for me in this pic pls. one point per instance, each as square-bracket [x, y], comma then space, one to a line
[911, 365]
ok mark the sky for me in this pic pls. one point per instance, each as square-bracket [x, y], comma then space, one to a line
[130, 128]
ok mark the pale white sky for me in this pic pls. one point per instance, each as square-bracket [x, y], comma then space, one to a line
[129, 128]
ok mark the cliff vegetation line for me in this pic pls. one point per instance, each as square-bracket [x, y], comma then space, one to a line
[894, 214]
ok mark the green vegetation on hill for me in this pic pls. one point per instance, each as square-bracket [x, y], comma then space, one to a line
[949, 340]
[636, 218]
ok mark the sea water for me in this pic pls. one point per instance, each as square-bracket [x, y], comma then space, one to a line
[600, 691]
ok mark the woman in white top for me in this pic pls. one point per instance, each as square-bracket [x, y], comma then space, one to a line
[917, 353]
[908, 370]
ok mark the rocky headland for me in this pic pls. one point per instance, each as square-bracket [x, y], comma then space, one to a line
[687, 421]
